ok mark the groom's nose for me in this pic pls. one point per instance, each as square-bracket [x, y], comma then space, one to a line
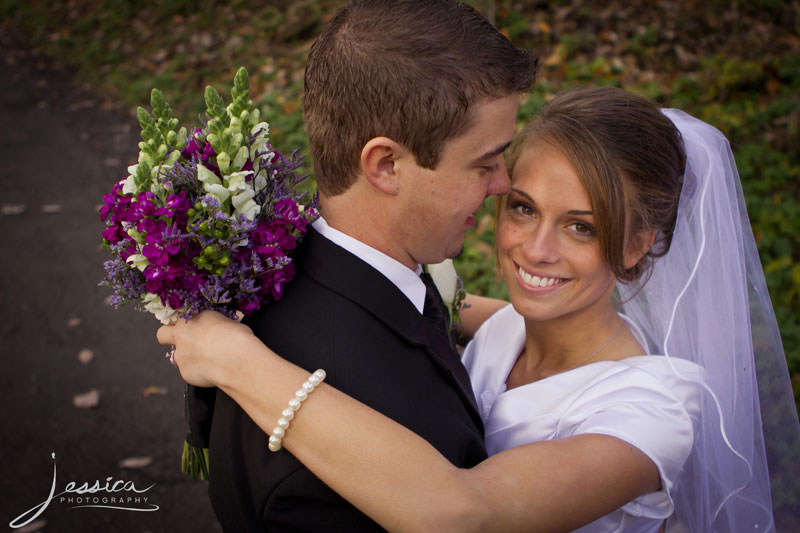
[500, 182]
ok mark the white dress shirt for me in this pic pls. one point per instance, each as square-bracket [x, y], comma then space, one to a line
[405, 279]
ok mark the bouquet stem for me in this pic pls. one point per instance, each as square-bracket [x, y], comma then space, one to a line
[194, 461]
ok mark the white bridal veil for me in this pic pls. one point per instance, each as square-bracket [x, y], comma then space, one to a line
[707, 301]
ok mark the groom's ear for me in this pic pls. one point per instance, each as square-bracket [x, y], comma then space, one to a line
[379, 164]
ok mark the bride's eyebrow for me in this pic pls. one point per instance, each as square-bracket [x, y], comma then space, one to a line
[523, 194]
[574, 212]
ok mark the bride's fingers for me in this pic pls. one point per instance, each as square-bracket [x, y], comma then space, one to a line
[166, 335]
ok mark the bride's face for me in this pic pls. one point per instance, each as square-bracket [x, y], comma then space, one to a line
[548, 250]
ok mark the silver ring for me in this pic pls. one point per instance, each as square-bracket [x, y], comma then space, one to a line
[171, 356]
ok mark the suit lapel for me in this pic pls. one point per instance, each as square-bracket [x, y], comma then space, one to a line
[354, 279]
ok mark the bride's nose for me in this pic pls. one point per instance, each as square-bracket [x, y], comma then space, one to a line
[541, 245]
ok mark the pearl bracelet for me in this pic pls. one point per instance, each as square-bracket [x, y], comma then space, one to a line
[295, 403]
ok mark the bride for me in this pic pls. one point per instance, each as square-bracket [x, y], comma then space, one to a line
[618, 390]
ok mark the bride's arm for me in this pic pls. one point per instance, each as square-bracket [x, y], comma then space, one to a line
[393, 475]
[476, 311]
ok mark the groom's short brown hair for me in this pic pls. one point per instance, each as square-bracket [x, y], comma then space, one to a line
[409, 70]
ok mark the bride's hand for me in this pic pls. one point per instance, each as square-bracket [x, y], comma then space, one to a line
[204, 345]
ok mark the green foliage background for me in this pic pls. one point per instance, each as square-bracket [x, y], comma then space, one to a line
[733, 63]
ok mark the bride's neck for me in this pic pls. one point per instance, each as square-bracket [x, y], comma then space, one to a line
[563, 343]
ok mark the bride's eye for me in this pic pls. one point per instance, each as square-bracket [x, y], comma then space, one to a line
[582, 229]
[520, 208]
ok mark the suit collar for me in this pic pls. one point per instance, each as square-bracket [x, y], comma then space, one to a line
[405, 279]
[333, 266]
[344, 273]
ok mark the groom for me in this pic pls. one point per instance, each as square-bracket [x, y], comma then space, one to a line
[409, 106]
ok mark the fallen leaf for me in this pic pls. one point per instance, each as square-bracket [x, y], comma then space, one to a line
[50, 208]
[37, 525]
[13, 209]
[85, 356]
[153, 389]
[107, 301]
[136, 462]
[557, 57]
[74, 322]
[87, 399]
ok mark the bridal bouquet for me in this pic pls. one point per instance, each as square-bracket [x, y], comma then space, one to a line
[204, 221]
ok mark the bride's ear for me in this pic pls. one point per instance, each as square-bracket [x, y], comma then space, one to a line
[638, 246]
[378, 164]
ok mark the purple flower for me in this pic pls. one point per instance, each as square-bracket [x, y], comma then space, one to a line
[155, 254]
[249, 305]
[112, 234]
[200, 151]
[287, 209]
[152, 227]
[174, 300]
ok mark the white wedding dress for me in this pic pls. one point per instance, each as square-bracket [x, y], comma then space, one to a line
[639, 400]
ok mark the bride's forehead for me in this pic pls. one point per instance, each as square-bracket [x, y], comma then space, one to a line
[546, 175]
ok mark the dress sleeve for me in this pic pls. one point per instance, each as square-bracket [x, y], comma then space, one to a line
[653, 413]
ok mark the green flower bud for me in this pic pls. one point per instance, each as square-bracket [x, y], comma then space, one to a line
[224, 162]
[218, 234]
[203, 227]
[225, 260]
[191, 212]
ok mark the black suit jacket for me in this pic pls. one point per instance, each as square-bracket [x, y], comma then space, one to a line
[342, 315]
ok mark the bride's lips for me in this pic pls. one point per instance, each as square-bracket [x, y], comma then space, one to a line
[539, 282]
[470, 222]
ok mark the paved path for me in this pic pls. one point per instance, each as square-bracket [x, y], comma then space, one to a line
[60, 150]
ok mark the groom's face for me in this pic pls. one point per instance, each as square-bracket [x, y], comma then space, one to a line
[440, 203]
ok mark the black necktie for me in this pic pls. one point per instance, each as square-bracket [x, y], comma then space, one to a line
[434, 307]
[437, 317]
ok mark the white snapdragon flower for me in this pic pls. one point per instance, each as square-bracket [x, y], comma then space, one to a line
[166, 314]
[240, 158]
[212, 184]
[261, 133]
[243, 203]
[237, 182]
[260, 183]
[130, 182]
[138, 260]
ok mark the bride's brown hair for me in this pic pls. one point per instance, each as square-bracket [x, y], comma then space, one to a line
[628, 156]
